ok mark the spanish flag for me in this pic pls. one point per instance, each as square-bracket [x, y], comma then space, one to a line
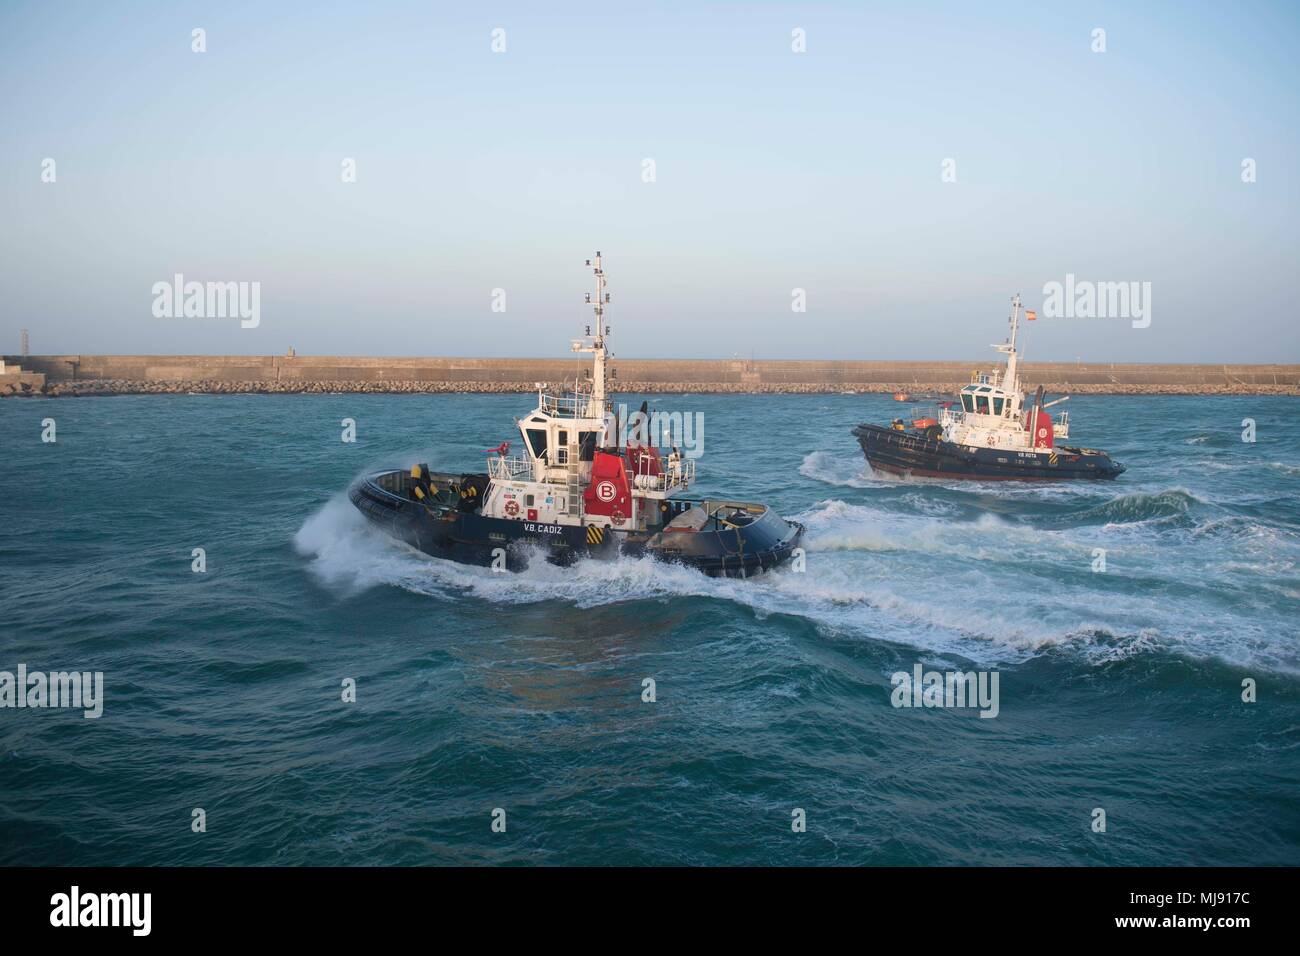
[1030, 314]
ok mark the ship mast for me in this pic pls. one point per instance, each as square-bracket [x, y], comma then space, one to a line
[1010, 382]
[596, 345]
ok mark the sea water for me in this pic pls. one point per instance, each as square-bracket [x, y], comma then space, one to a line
[526, 698]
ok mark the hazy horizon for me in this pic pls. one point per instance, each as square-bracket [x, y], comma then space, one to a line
[774, 171]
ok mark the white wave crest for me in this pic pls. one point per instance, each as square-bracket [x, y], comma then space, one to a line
[851, 472]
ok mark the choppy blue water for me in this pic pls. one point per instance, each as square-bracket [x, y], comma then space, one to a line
[1120, 690]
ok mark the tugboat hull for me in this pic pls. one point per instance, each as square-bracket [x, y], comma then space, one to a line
[737, 540]
[910, 453]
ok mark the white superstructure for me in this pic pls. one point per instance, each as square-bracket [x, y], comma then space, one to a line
[565, 434]
[993, 412]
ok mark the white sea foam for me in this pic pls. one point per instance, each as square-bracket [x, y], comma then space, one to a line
[990, 590]
[838, 470]
[347, 554]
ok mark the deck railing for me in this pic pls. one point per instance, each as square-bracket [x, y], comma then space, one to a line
[673, 477]
[676, 477]
[568, 406]
[510, 469]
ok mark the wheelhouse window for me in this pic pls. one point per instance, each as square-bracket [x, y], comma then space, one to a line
[537, 442]
[997, 405]
[968, 403]
[982, 404]
[562, 451]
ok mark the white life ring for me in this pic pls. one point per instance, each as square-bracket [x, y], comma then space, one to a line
[512, 508]
[618, 517]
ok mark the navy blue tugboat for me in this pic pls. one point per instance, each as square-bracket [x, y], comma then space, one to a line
[578, 490]
[990, 436]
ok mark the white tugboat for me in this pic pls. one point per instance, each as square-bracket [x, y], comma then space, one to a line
[576, 491]
[992, 435]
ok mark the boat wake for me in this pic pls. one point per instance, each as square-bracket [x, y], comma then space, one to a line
[907, 579]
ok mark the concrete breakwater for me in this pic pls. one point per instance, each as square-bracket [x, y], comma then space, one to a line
[73, 375]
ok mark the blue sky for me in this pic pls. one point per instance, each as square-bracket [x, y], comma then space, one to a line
[774, 171]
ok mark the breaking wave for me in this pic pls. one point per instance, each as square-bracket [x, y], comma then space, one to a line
[837, 470]
[1139, 506]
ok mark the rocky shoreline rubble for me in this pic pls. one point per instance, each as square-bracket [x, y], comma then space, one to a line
[925, 391]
